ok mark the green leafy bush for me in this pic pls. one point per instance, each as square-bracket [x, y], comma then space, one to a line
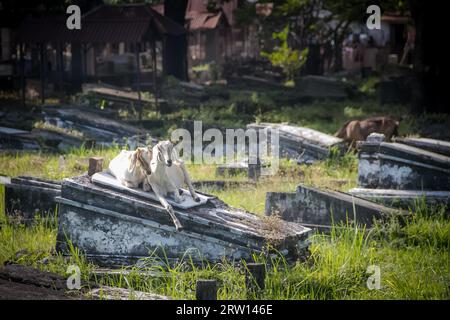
[288, 59]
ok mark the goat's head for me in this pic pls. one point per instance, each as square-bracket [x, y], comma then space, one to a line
[141, 158]
[163, 152]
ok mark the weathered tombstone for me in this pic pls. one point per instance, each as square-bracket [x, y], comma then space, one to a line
[303, 144]
[321, 208]
[433, 145]
[404, 199]
[27, 196]
[384, 165]
[94, 125]
[255, 276]
[206, 290]
[11, 138]
[113, 225]
[95, 165]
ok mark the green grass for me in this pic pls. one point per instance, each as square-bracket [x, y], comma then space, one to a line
[413, 254]
[336, 173]
[52, 165]
[413, 258]
[243, 107]
[336, 268]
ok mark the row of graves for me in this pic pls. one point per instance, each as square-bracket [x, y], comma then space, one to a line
[393, 177]
[115, 225]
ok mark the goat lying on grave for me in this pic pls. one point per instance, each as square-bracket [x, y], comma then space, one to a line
[168, 174]
[132, 167]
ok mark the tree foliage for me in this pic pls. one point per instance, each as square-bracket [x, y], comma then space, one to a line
[288, 59]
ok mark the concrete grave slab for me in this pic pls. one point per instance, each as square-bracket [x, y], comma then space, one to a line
[433, 145]
[16, 139]
[113, 227]
[384, 165]
[402, 198]
[319, 208]
[303, 144]
[27, 196]
[106, 180]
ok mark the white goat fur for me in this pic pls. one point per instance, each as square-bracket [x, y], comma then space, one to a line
[128, 168]
[168, 173]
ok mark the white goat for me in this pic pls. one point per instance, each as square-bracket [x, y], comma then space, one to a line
[131, 167]
[168, 174]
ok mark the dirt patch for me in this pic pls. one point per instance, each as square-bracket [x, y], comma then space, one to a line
[25, 283]
[19, 282]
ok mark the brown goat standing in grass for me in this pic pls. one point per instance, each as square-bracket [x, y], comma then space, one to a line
[359, 130]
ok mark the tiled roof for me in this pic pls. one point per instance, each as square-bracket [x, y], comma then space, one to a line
[106, 23]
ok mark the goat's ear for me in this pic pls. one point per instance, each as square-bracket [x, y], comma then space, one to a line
[134, 160]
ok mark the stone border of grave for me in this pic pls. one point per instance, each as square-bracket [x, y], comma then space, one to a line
[401, 173]
[320, 209]
[384, 165]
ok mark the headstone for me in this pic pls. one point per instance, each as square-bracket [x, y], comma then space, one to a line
[384, 165]
[321, 209]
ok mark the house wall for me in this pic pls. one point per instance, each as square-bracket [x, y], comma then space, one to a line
[226, 40]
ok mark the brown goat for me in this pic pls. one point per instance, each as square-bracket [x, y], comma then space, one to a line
[359, 130]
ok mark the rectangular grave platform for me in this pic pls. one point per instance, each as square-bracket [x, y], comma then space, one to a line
[114, 227]
[15, 139]
[384, 165]
[433, 145]
[27, 196]
[318, 208]
[403, 198]
[106, 180]
[303, 144]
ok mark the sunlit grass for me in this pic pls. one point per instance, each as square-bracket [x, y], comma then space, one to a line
[52, 166]
[336, 173]
[413, 253]
[413, 257]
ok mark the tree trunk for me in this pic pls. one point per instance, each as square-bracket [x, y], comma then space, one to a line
[337, 65]
[175, 48]
[76, 67]
[429, 92]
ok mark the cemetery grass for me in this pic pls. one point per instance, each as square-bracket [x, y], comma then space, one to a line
[413, 254]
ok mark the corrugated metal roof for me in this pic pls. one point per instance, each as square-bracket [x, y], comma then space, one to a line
[106, 23]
